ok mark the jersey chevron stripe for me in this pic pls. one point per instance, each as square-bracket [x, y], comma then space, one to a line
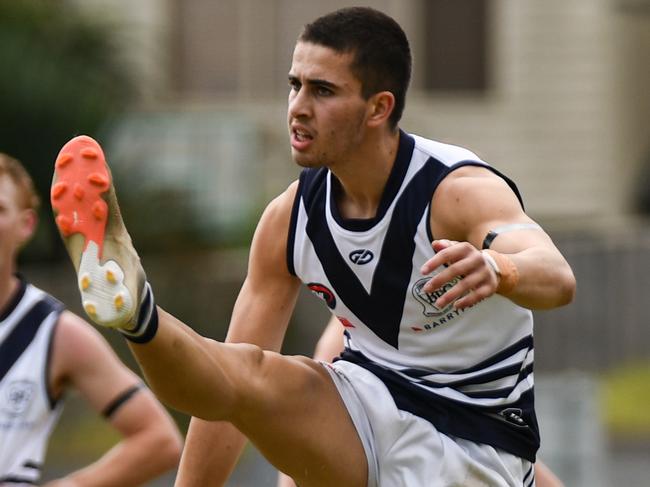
[21, 336]
[382, 307]
[27, 413]
[469, 372]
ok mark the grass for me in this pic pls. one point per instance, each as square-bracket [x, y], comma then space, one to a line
[626, 395]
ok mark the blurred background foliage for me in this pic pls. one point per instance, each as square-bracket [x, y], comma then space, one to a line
[62, 76]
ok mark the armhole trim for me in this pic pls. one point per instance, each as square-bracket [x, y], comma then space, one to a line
[291, 237]
[53, 401]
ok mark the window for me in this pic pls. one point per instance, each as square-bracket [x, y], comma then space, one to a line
[455, 45]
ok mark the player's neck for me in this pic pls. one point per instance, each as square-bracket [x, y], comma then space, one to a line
[364, 178]
[8, 287]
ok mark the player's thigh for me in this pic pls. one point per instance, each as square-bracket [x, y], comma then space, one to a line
[297, 419]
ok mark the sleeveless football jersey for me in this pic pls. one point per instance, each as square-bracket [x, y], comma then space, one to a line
[468, 372]
[27, 411]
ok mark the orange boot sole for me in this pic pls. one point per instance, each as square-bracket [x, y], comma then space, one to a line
[110, 277]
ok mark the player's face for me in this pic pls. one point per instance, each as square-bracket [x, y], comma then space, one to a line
[15, 223]
[326, 112]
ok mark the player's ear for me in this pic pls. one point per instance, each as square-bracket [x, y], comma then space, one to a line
[380, 107]
[27, 222]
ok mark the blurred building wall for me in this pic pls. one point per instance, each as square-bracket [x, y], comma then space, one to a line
[564, 109]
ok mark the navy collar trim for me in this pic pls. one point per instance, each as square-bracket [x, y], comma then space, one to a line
[13, 302]
[393, 184]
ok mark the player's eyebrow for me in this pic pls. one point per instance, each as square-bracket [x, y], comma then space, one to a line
[314, 81]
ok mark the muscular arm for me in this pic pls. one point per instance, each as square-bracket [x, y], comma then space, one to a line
[260, 316]
[151, 443]
[469, 203]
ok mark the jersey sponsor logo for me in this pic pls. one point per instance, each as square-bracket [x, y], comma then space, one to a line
[324, 293]
[437, 316]
[428, 300]
[17, 397]
[361, 256]
[439, 320]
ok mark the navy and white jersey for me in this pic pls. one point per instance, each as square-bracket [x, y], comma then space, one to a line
[27, 411]
[468, 372]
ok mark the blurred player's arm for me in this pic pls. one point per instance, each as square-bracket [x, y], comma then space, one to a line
[260, 316]
[468, 204]
[331, 342]
[544, 477]
[151, 443]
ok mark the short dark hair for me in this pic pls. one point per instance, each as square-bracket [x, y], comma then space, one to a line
[382, 56]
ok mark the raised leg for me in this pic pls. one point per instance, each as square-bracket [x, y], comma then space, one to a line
[287, 406]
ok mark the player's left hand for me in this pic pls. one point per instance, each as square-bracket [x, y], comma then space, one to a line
[478, 280]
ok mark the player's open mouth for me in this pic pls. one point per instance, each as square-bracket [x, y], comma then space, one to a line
[300, 139]
[301, 135]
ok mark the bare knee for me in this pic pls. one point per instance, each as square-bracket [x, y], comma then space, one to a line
[221, 382]
[271, 382]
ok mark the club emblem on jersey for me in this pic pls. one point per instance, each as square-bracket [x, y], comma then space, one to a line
[361, 256]
[324, 293]
[17, 397]
[428, 300]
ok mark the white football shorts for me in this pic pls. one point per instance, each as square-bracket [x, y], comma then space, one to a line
[404, 450]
